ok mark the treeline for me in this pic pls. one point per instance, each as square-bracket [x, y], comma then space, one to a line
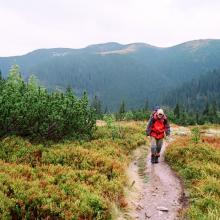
[208, 114]
[28, 109]
[179, 114]
[123, 112]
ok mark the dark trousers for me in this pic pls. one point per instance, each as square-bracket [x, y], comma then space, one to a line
[156, 145]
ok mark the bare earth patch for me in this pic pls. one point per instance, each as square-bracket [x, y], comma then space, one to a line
[212, 132]
[100, 123]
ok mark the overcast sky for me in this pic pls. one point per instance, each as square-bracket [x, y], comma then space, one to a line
[26, 25]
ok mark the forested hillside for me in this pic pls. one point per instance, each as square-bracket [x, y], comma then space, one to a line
[115, 73]
[198, 93]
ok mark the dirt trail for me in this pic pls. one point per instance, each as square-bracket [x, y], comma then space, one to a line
[161, 196]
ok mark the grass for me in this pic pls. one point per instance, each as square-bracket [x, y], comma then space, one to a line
[198, 163]
[66, 180]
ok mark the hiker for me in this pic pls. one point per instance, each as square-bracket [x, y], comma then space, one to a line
[157, 127]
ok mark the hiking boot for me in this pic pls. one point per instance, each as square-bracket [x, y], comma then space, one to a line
[156, 159]
[153, 159]
[157, 155]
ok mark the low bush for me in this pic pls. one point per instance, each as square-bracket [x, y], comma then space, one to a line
[66, 180]
[198, 163]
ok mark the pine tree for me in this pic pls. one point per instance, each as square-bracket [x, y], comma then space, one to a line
[176, 111]
[122, 108]
[146, 106]
[106, 110]
[197, 118]
[206, 110]
[97, 105]
[213, 115]
[214, 109]
[183, 118]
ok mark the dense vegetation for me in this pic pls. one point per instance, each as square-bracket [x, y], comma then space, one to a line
[67, 180]
[27, 109]
[115, 72]
[197, 160]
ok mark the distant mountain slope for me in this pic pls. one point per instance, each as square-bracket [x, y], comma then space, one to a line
[116, 72]
[196, 93]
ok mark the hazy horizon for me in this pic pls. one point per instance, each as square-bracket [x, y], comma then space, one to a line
[31, 25]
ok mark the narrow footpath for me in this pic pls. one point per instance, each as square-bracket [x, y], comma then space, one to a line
[160, 196]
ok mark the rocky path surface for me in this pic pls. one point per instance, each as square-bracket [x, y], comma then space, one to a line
[161, 196]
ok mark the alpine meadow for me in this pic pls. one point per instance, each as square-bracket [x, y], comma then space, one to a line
[110, 110]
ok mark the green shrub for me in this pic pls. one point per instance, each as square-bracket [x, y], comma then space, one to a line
[195, 135]
[111, 124]
[27, 109]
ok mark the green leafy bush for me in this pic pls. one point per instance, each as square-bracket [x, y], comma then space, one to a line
[27, 109]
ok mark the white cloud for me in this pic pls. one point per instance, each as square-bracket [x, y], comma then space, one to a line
[29, 24]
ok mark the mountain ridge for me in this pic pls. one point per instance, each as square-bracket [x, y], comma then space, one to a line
[116, 43]
[115, 72]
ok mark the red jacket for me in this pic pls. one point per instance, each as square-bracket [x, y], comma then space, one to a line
[158, 126]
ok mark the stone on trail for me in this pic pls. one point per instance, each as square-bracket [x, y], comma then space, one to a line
[132, 184]
[139, 207]
[162, 208]
[146, 215]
